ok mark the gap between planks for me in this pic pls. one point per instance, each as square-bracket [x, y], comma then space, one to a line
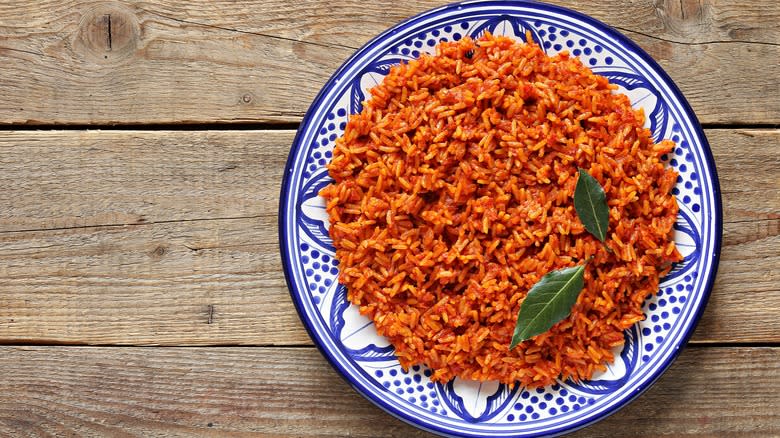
[220, 392]
[49, 344]
[241, 126]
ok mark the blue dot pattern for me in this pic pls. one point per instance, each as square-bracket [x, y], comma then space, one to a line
[321, 149]
[413, 386]
[542, 403]
[664, 306]
[321, 270]
[589, 53]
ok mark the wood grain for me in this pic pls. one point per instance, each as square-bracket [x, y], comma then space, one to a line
[184, 283]
[63, 179]
[748, 163]
[217, 282]
[157, 237]
[263, 61]
[130, 237]
[287, 392]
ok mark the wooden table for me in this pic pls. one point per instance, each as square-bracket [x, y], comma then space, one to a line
[141, 155]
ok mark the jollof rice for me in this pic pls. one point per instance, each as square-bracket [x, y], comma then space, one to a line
[453, 196]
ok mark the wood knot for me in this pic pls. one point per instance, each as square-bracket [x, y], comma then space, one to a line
[158, 252]
[247, 98]
[681, 11]
[227, 166]
[209, 314]
[108, 31]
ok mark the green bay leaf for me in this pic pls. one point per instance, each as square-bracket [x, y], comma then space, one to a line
[548, 302]
[590, 202]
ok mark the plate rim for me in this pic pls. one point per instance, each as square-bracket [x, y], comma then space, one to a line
[607, 30]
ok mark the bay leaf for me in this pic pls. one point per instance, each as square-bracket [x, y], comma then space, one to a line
[590, 202]
[549, 301]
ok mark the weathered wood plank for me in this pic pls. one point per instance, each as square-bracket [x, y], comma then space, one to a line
[141, 253]
[224, 62]
[61, 179]
[748, 164]
[746, 291]
[182, 283]
[220, 282]
[293, 392]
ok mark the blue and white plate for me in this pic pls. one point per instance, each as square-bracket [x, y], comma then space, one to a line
[462, 408]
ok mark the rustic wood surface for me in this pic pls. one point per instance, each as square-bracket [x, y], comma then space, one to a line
[79, 62]
[169, 238]
[292, 392]
[162, 231]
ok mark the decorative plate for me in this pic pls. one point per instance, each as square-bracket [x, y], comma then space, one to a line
[463, 408]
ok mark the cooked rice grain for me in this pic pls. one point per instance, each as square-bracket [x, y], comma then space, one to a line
[453, 195]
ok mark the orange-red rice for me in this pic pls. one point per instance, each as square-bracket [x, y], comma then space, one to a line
[453, 196]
